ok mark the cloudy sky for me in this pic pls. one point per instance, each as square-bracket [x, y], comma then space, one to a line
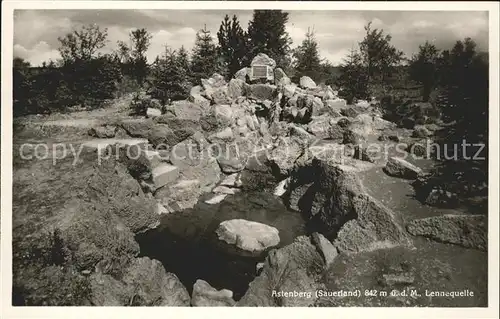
[36, 31]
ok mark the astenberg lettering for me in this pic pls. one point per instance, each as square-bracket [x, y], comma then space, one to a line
[291, 294]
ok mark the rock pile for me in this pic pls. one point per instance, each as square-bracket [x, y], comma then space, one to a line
[261, 131]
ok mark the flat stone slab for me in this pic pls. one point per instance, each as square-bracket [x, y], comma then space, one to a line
[469, 231]
[398, 167]
[151, 112]
[165, 174]
[248, 235]
[216, 199]
[74, 123]
[103, 143]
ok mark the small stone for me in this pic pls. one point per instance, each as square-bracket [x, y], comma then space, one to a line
[230, 165]
[153, 112]
[225, 190]
[230, 180]
[205, 295]
[259, 267]
[397, 279]
[216, 199]
[281, 187]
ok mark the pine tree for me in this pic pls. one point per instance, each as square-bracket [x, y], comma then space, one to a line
[233, 46]
[267, 34]
[353, 79]
[170, 77]
[183, 60]
[307, 60]
[141, 40]
[204, 60]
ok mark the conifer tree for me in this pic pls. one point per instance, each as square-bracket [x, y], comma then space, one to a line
[183, 61]
[233, 48]
[353, 79]
[204, 59]
[267, 34]
[170, 77]
[141, 40]
[307, 60]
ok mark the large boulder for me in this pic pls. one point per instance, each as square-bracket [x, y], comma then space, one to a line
[196, 96]
[152, 112]
[261, 92]
[301, 133]
[179, 196]
[137, 127]
[317, 106]
[249, 236]
[398, 167]
[221, 95]
[195, 161]
[205, 295]
[162, 136]
[175, 123]
[278, 75]
[224, 136]
[307, 83]
[335, 133]
[236, 88]
[96, 208]
[218, 117]
[469, 231]
[187, 110]
[263, 59]
[143, 283]
[289, 90]
[283, 156]
[294, 270]
[305, 100]
[241, 74]
[224, 115]
[105, 131]
[328, 251]
[336, 104]
[211, 84]
[350, 112]
[332, 195]
[230, 164]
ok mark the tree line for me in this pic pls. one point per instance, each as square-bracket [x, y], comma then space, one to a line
[84, 76]
[452, 83]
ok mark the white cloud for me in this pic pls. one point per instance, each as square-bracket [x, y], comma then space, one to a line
[42, 52]
[36, 31]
